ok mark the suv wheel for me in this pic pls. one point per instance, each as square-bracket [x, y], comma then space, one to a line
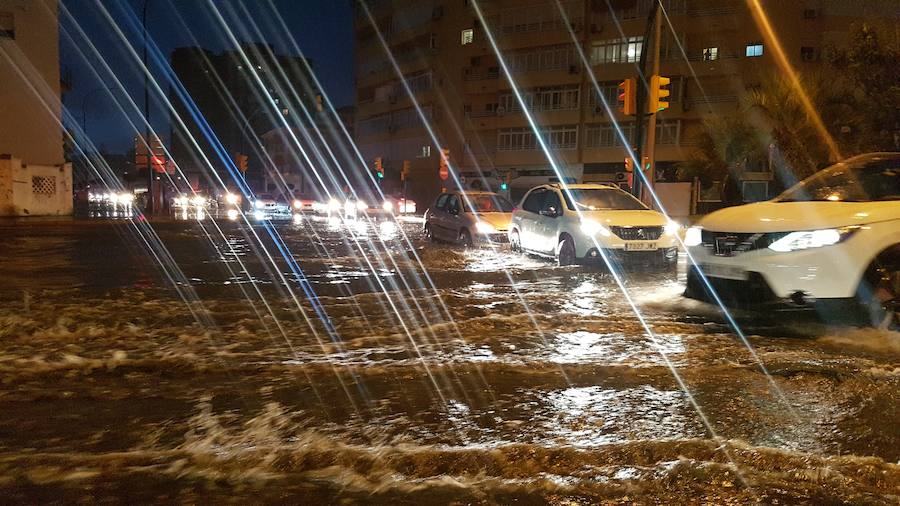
[565, 251]
[880, 290]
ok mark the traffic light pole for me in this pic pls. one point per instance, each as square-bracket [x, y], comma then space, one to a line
[651, 122]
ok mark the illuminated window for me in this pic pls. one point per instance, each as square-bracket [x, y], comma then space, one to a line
[468, 36]
[754, 49]
[626, 50]
[426, 152]
[712, 53]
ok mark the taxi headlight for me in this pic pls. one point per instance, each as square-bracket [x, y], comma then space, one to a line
[484, 227]
[693, 236]
[592, 228]
[806, 239]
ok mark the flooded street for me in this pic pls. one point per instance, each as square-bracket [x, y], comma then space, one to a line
[315, 363]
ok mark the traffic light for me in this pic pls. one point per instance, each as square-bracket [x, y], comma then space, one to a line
[659, 94]
[379, 169]
[240, 160]
[404, 172]
[504, 184]
[627, 97]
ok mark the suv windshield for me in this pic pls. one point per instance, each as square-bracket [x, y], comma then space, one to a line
[864, 181]
[602, 198]
[489, 204]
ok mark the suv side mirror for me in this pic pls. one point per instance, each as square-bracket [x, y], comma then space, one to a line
[549, 211]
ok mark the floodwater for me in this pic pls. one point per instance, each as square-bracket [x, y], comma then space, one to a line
[203, 363]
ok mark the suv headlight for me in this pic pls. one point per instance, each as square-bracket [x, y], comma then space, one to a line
[693, 236]
[259, 204]
[484, 227]
[592, 228]
[811, 239]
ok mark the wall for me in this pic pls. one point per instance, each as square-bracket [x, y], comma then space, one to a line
[30, 77]
[34, 190]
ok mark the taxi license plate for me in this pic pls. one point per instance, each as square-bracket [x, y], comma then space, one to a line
[640, 246]
[724, 271]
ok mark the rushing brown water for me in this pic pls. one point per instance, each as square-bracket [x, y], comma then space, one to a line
[411, 375]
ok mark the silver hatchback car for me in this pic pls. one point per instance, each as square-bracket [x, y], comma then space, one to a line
[468, 218]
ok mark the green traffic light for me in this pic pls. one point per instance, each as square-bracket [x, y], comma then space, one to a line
[504, 186]
[380, 175]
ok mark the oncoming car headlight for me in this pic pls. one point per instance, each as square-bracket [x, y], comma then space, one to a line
[672, 227]
[693, 236]
[591, 228]
[388, 206]
[259, 204]
[231, 198]
[361, 206]
[484, 227]
[298, 204]
[334, 205]
[806, 239]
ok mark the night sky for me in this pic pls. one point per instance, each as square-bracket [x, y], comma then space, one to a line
[323, 30]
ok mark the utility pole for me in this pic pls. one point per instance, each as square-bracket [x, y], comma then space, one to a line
[153, 200]
[651, 123]
[641, 99]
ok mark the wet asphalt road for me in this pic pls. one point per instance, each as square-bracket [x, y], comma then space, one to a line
[321, 362]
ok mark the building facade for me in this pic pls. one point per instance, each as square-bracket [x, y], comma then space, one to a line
[34, 178]
[235, 103]
[713, 51]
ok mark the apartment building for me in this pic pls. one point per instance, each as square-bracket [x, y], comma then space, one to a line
[231, 105]
[713, 51]
[34, 177]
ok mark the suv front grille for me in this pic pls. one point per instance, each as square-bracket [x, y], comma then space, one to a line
[727, 244]
[637, 233]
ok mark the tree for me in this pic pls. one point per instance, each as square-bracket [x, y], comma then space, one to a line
[870, 69]
[725, 147]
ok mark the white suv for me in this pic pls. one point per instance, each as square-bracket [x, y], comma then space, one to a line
[832, 242]
[573, 226]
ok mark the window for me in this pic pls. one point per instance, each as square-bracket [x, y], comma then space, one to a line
[467, 36]
[426, 152]
[755, 191]
[552, 202]
[43, 185]
[754, 49]
[442, 201]
[7, 25]
[523, 138]
[453, 205]
[810, 13]
[555, 98]
[627, 50]
[543, 58]
[534, 201]
[606, 135]
[808, 53]
[710, 54]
